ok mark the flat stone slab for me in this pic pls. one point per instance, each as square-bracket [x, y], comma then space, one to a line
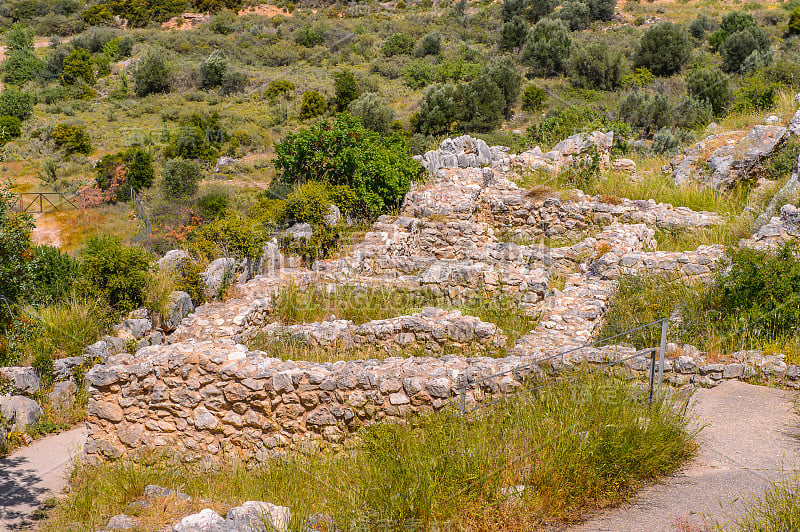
[32, 474]
[749, 437]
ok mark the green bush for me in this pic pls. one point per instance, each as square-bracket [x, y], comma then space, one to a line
[597, 66]
[345, 89]
[663, 49]
[15, 253]
[602, 9]
[665, 142]
[533, 98]
[10, 128]
[562, 123]
[213, 204]
[231, 235]
[692, 113]
[711, 85]
[213, 70]
[72, 138]
[575, 14]
[547, 48]
[78, 66]
[52, 274]
[20, 66]
[397, 44]
[418, 74]
[646, 111]
[115, 273]
[313, 105]
[133, 167]
[375, 113]
[430, 44]
[308, 203]
[180, 178]
[438, 109]
[700, 26]
[378, 170]
[755, 94]
[280, 87]
[793, 28]
[197, 137]
[16, 103]
[152, 74]
[513, 33]
[98, 15]
[481, 104]
[738, 47]
[309, 36]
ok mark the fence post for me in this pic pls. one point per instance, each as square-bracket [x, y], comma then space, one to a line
[652, 373]
[462, 403]
[661, 352]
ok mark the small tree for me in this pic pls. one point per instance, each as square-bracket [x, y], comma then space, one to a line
[213, 70]
[793, 27]
[313, 105]
[438, 109]
[711, 85]
[482, 104]
[503, 73]
[9, 128]
[152, 74]
[513, 33]
[21, 64]
[140, 169]
[533, 98]
[16, 103]
[72, 138]
[15, 253]
[602, 9]
[596, 66]
[374, 111]
[180, 178]
[397, 44]
[575, 14]
[78, 66]
[699, 26]
[535, 10]
[663, 49]
[738, 47]
[430, 44]
[547, 47]
[345, 89]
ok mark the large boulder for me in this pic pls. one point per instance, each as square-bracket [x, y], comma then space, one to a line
[135, 329]
[300, 231]
[205, 521]
[172, 259]
[19, 411]
[179, 305]
[257, 515]
[219, 274]
[461, 152]
[63, 394]
[23, 380]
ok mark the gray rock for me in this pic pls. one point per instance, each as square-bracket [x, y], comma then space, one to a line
[97, 351]
[794, 124]
[135, 328]
[205, 521]
[205, 420]
[105, 410]
[299, 231]
[219, 274]
[63, 368]
[115, 345]
[179, 305]
[122, 522]
[733, 163]
[19, 411]
[158, 492]
[772, 120]
[256, 515]
[271, 258]
[23, 379]
[172, 259]
[62, 395]
[790, 215]
[733, 371]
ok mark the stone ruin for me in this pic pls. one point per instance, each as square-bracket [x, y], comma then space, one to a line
[202, 393]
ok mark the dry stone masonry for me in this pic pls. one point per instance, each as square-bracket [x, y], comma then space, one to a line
[199, 391]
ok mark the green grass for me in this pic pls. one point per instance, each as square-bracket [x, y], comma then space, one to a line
[778, 510]
[580, 445]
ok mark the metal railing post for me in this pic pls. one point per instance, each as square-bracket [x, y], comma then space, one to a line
[661, 352]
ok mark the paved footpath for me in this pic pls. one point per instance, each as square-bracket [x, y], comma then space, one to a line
[32, 474]
[750, 437]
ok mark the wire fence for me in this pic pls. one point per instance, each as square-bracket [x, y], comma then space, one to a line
[484, 384]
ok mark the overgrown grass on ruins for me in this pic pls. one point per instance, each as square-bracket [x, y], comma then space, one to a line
[776, 511]
[582, 443]
[753, 303]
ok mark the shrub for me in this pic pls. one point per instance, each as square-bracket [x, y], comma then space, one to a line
[513, 33]
[280, 87]
[231, 235]
[755, 94]
[213, 204]
[699, 26]
[345, 89]
[535, 10]
[309, 36]
[646, 110]
[97, 15]
[575, 14]
[438, 109]
[308, 203]
[72, 138]
[397, 44]
[10, 128]
[115, 273]
[180, 178]
[597, 66]
[16, 103]
[711, 85]
[602, 9]
[378, 170]
[665, 142]
[533, 98]
[736, 49]
[313, 105]
[152, 74]
[693, 113]
[213, 70]
[21, 65]
[503, 73]
[198, 137]
[663, 49]
[419, 74]
[430, 44]
[374, 111]
[140, 168]
[481, 104]
[15, 252]
[132, 168]
[78, 66]
[547, 47]
[19, 37]
[52, 274]
[793, 28]
[562, 123]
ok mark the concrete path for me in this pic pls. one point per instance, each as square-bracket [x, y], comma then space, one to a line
[32, 474]
[750, 436]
